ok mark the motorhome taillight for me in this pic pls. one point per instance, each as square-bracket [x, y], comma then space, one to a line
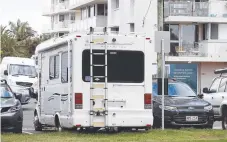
[78, 100]
[78, 36]
[147, 101]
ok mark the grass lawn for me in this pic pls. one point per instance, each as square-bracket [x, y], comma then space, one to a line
[187, 135]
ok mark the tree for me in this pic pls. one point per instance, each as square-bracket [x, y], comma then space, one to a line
[19, 39]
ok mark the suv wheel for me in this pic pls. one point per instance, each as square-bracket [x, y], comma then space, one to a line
[224, 120]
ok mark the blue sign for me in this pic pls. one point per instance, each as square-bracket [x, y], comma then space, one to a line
[186, 73]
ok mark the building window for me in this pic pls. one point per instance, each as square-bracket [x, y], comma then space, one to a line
[61, 18]
[101, 9]
[115, 29]
[54, 67]
[106, 10]
[73, 17]
[94, 10]
[214, 31]
[89, 11]
[64, 67]
[132, 27]
[61, 1]
[117, 4]
[205, 30]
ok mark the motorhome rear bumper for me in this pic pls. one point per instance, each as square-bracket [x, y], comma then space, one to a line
[117, 118]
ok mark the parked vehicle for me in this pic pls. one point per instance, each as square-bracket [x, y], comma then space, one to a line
[21, 76]
[95, 80]
[217, 96]
[11, 110]
[182, 107]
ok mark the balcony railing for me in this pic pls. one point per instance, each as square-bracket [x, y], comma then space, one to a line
[189, 50]
[213, 49]
[197, 9]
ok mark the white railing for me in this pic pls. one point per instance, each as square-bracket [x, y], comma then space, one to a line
[211, 48]
[186, 9]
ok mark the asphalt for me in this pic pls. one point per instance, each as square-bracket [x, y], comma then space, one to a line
[28, 111]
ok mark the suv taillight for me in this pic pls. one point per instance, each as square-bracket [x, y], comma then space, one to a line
[78, 100]
[147, 101]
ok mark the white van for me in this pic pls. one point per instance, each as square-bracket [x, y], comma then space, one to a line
[21, 75]
[95, 81]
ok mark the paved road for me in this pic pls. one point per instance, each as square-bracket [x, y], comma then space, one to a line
[28, 118]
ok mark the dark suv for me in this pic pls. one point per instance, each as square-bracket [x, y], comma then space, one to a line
[182, 107]
[11, 110]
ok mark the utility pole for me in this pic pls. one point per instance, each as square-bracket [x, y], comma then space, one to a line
[160, 28]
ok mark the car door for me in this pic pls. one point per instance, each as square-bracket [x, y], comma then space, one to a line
[214, 96]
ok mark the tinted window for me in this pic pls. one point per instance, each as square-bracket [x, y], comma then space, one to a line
[176, 89]
[215, 85]
[123, 66]
[54, 67]
[222, 85]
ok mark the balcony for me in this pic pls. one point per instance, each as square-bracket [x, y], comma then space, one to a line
[57, 8]
[197, 9]
[77, 4]
[61, 26]
[83, 25]
[195, 12]
[204, 51]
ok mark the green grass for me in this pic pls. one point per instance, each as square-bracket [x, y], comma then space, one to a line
[187, 135]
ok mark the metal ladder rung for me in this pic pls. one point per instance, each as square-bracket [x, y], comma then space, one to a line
[98, 97]
[99, 76]
[98, 53]
[98, 65]
[98, 86]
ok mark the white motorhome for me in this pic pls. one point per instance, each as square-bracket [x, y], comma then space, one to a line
[21, 76]
[95, 80]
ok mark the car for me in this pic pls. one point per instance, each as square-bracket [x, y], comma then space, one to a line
[216, 94]
[182, 107]
[11, 110]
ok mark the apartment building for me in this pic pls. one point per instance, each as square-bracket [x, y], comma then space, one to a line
[61, 17]
[197, 27]
[198, 36]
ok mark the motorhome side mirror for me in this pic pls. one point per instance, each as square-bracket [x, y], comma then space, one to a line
[5, 72]
[205, 90]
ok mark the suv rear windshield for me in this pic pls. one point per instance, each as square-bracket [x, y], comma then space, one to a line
[122, 66]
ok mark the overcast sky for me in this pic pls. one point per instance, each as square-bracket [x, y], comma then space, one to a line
[26, 10]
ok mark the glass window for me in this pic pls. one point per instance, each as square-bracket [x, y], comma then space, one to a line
[24, 70]
[174, 32]
[123, 66]
[64, 67]
[61, 18]
[54, 67]
[215, 85]
[175, 89]
[89, 11]
[222, 86]
[5, 92]
[101, 10]
[117, 3]
[214, 31]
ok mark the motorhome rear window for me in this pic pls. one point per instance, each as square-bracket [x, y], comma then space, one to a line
[122, 66]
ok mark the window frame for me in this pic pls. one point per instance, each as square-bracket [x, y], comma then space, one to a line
[225, 85]
[66, 52]
[55, 77]
[124, 82]
[217, 86]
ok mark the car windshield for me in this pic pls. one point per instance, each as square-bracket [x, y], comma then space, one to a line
[5, 93]
[22, 70]
[176, 89]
